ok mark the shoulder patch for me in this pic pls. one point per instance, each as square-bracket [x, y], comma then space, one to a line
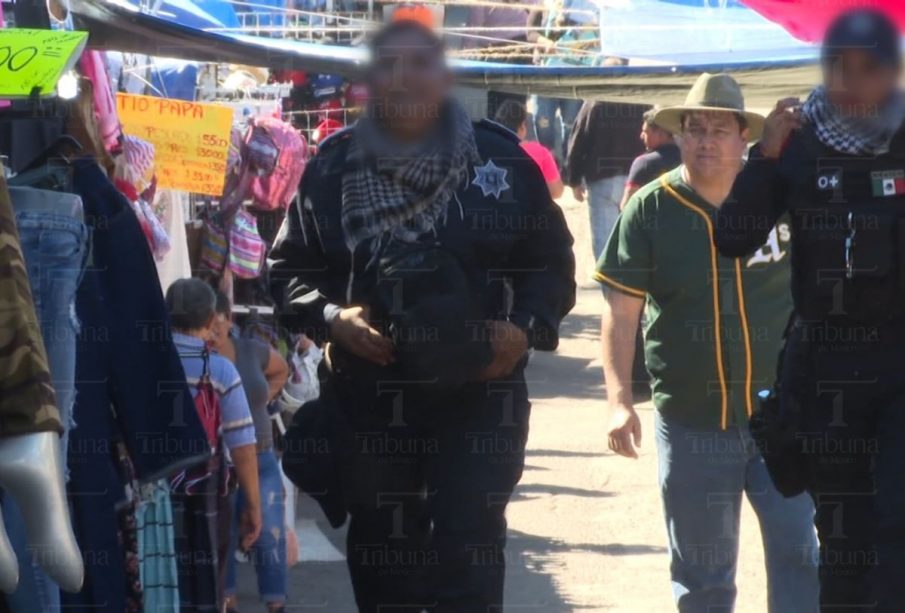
[487, 124]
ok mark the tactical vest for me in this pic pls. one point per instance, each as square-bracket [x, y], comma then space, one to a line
[848, 221]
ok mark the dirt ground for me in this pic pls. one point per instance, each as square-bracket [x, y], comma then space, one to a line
[586, 531]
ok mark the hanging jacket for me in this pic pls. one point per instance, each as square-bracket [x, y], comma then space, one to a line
[130, 386]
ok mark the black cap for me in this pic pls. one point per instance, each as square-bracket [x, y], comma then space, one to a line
[866, 29]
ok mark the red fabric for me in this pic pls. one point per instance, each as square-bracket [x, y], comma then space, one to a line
[808, 19]
[325, 129]
[543, 158]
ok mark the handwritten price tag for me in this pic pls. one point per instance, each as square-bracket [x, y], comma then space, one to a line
[191, 140]
[32, 59]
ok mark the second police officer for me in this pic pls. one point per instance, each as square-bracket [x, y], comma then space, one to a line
[836, 166]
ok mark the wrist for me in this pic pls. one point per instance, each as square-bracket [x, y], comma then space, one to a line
[622, 401]
[765, 151]
[331, 313]
[525, 323]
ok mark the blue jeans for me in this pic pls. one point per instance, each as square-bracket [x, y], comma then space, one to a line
[545, 123]
[54, 248]
[269, 553]
[604, 196]
[703, 474]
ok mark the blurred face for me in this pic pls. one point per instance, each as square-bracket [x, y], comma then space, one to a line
[859, 85]
[409, 85]
[220, 330]
[712, 145]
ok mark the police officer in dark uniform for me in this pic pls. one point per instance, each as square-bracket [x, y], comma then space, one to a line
[427, 251]
[836, 166]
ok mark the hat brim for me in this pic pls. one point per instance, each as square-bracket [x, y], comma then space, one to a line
[670, 118]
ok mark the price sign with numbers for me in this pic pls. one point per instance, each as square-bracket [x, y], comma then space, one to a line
[31, 59]
[191, 140]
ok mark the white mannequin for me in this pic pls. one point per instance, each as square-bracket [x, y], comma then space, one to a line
[31, 471]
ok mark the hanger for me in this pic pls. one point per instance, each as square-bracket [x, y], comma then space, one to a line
[52, 169]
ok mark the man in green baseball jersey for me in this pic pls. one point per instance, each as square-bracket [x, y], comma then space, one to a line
[712, 332]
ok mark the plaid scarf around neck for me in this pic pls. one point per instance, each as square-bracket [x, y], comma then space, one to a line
[853, 135]
[394, 194]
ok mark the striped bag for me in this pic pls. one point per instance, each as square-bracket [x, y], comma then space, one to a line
[214, 245]
[246, 248]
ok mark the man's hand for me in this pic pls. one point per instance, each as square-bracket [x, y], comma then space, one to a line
[578, 192]
[249, 527]
[625, 429]
[782, 120]
[351, 331]
[509, 344]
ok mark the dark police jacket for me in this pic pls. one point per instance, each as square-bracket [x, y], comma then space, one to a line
[847, 215]
[504, 228]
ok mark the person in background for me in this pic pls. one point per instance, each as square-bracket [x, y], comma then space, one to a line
[264, 372]
[505, 27]
[730, 315]
[565, 33]
[603, 144]
[661, 157]
[514, 116]
[192, 307]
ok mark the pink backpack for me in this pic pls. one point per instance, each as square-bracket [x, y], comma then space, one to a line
[276, 155]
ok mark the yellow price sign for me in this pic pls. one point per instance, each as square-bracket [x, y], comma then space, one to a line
[31, 59]
[191, 139]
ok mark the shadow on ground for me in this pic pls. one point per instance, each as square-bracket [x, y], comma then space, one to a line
[554, 375]
[532, 562]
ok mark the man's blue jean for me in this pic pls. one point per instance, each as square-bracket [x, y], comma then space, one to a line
[54, 247]
[703, 474]
[545, 123]
[269, 553]
[603, 197]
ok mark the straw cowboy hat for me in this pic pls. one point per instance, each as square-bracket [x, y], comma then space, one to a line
[711, 92]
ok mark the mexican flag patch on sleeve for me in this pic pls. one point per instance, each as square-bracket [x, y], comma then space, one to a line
[888, 183]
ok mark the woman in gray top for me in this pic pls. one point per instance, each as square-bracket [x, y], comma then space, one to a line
[264, 373]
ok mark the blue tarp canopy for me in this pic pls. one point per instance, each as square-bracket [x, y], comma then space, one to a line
[767, 63]
[198, 14]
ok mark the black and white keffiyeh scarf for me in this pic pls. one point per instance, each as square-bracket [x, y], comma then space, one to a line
[853, 135]
[393, 192]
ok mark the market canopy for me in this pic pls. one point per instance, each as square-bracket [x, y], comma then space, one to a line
[767, 61]
[808, 19]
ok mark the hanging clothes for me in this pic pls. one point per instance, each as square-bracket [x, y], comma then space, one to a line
[93, 66]
[172, 207]
[157, 549]
[127, 531]
[130, 385]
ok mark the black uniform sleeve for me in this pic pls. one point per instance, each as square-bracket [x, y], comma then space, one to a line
[756, 202]
[298, 269]
[543, 271]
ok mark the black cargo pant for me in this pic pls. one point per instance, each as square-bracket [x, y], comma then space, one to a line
[850, 381]
[427, 482]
